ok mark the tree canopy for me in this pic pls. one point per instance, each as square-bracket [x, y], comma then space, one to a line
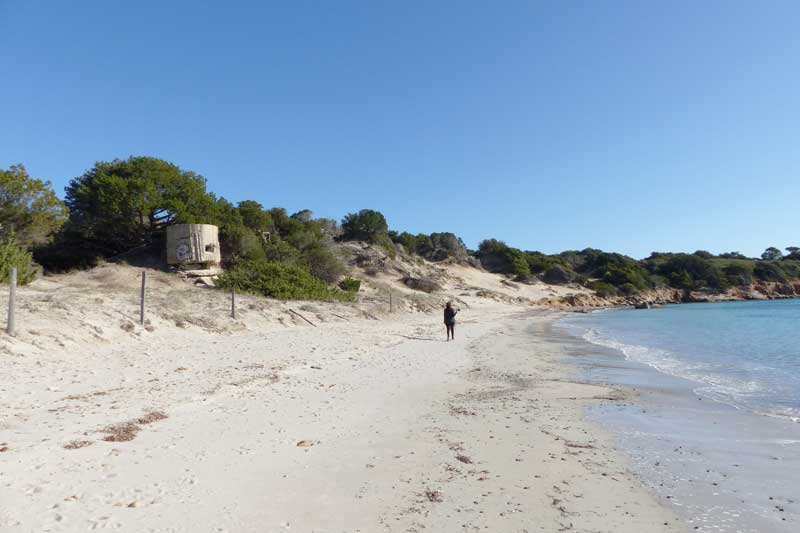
[121, 204]
[366, 225]
[771, 254]
[29, 209]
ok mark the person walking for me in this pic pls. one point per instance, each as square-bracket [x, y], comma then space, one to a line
[450, 320]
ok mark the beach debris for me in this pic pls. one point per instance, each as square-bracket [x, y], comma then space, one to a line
[301, 316]
[458, 410]
[434, 496]
[4, 448]
[126, 431]
[305, 444]
[464, 459]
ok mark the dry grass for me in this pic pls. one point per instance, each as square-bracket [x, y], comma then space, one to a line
[123, 432]
[75, 444]
[152, 416]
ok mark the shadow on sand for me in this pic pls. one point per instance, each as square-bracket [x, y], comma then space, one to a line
[431, 339]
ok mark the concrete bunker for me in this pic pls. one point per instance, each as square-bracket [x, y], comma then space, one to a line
[193, 250]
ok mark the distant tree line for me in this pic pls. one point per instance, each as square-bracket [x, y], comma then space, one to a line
[612, 274]
[121, 208]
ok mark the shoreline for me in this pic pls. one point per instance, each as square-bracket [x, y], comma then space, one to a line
[372, 426]
[584, 303]
[721, 467]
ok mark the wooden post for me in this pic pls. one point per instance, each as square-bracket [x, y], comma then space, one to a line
[12, 289]
[141, 305]
[233, 302]
[391, 307]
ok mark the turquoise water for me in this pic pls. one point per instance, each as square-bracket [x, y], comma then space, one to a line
[744, 354]
[715, 428]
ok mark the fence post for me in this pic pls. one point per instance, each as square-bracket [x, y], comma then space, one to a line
[141, 304]
[12, 289]
[391, 305]
[233, 302]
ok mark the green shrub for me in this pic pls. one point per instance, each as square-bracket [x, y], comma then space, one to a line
[557, 275]
[602, 289]
[323, 263]
[254, 216]
[440, 246]
[657, 281]
[13, 255]
[350, 285]
[277, 280]
[738, 274]
[497, 256]
[366, 225]
[580, 279]
[28, 207]
[423, 244]
[409, 242]
[240, 243]
[539, 262]
[519, 267]
[790, 267]
[681, 280]
[628, 289]
[386, 243]
[619, 275]
[280, 251]
[732, 255]
[768, 271]
[686, 271]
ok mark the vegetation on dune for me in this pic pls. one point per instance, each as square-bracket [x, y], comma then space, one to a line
[433, 247]
[366, 225]
[12, 255]
[123, 206]
[350, 285]
[30, 214]
[29, 209]
[281, 281]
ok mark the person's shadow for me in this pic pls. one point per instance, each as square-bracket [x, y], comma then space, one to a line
[431, 339]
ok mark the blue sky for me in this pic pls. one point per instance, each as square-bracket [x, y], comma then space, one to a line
[627, 126]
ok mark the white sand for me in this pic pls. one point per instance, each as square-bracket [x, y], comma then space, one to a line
[382, 410]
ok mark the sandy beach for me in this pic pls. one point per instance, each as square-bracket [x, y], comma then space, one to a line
[353, 425]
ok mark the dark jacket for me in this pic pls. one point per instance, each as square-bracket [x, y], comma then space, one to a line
[450, 315]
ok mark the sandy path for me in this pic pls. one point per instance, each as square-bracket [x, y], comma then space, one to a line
[397, 431]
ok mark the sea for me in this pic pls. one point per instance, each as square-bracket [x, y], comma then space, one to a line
[714, 429]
